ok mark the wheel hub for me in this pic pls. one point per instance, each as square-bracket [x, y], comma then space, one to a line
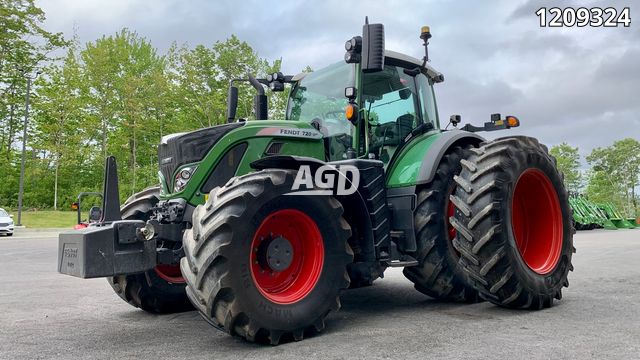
[275, 253]
[287, 255]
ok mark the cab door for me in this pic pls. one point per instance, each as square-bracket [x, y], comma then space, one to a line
[392, 109]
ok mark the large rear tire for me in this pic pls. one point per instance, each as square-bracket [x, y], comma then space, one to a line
[161, 290]
[438, 274]
[264, 265]
[514, 225]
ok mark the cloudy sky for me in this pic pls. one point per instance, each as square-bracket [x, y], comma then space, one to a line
[579, 85]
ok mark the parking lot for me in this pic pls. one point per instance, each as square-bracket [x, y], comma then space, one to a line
[47, 315]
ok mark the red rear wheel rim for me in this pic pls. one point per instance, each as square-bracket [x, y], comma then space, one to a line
[451, 211]
[301, 276]
[170, 273]
[536, 220]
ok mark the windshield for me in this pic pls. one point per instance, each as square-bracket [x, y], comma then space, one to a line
[3, 213]
[319, 97]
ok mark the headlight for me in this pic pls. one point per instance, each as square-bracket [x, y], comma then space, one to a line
[182, 178]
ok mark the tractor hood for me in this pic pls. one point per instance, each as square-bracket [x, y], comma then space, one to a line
[184, 148]
[193, 163]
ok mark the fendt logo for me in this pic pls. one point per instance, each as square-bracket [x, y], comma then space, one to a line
[327, 180]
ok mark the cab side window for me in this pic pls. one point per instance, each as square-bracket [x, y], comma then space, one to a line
[427, 100]
[390, 100]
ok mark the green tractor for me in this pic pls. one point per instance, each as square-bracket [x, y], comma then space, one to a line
[260, 225]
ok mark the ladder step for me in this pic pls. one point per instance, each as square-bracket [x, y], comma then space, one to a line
[404, 261]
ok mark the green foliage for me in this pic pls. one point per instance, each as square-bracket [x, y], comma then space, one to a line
[569, 164]
[615, 174]
[23, 42]
[23, 45]
[113, 96]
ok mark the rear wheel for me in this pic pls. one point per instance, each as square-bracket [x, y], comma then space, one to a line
[438, 273]
[264, 265]
[514, 225]
[161, 290]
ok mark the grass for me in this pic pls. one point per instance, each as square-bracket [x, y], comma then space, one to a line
[46, 219]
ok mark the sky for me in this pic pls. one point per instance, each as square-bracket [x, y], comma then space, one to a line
[579, 85]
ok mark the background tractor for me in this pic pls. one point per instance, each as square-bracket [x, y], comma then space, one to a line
[227, 232]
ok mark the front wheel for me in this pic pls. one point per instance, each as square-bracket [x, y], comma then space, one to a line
[160, 290]
[514, 225]
[262, 264]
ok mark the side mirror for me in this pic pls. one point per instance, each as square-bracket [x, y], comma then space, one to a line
[232, 103]
[11, 216]
[372, 48]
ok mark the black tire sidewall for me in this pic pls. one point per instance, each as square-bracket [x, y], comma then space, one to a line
[318, 301]
[538, 283]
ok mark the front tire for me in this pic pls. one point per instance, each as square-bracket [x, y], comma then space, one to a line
[264, 265]
[161, 290]
[515, 232]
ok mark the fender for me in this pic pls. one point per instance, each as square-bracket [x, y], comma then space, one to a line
[418, 162]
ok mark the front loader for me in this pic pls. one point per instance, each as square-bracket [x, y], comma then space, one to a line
[260, 225]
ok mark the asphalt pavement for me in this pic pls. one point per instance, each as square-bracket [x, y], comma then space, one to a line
[47, 315]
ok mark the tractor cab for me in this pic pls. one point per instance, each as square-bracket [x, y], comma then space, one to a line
[381, 105]
[395, 102]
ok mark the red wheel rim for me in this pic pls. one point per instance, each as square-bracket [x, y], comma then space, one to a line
[170, 273]
[536, 220]
[301, 276]
[451, 211]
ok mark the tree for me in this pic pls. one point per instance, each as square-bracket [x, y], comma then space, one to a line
[23, 45]
[620, 163]
[116, 95]
[602, 187]
[124, 78]
[58, 107]
[569, 164]
[202, 75]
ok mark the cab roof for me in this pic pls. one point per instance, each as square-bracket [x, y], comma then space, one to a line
[432, 73]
